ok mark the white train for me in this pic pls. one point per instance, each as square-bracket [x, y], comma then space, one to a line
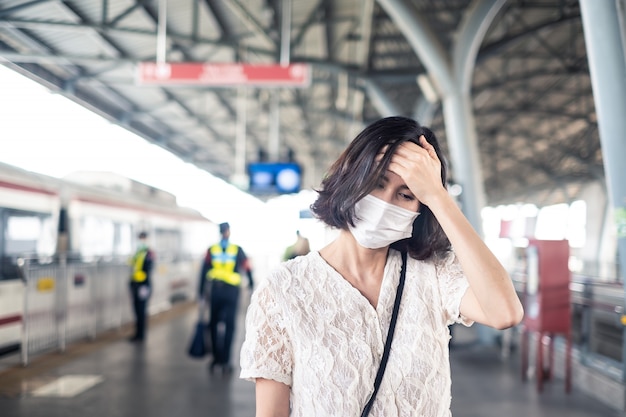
[64, 250]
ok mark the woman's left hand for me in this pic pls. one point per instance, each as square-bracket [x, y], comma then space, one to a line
[420, 168]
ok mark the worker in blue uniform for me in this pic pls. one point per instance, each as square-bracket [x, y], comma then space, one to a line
[141, 286]
[220, 282]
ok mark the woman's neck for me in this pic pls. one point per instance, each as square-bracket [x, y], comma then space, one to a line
[363, 268]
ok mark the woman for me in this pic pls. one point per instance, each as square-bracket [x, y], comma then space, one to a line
[316, 328]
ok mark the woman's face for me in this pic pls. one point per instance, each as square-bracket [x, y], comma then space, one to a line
[392, 189]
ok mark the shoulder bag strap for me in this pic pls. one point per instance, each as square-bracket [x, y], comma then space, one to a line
[392, 327]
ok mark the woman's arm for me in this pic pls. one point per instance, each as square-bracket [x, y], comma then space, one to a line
[272, 398]
[491, 298]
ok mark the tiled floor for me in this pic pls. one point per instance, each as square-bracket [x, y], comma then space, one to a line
[484, 385]
[112, 377]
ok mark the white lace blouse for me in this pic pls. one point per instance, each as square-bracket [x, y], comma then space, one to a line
[310, 329]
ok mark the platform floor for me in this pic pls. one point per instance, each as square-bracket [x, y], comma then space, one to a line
[112, 377]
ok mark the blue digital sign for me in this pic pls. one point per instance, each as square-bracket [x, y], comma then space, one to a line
[274, 177]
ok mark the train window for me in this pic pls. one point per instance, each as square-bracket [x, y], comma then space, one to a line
[123, 239]
[46, 245]
[96, 238]
[24, 235]
[29, 235]
[167, 244]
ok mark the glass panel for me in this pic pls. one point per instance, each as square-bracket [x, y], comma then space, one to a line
[97, 237]
[167, 244]
[124, 239]
[21, 235]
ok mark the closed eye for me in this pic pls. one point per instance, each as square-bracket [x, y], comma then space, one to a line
[407, 197]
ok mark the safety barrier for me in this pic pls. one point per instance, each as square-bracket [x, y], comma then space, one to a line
[65, 302]
[598, 322]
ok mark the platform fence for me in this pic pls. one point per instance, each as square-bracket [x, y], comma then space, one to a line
[65, 302]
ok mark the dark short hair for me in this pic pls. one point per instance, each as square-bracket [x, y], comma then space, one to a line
[143, 235]
[356, 173]
[224, 227]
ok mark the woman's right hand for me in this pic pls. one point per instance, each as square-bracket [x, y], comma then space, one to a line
[420, 168]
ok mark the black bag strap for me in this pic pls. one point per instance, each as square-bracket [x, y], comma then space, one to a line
[392, 327]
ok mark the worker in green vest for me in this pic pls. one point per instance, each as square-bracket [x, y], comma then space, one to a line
[220, 281]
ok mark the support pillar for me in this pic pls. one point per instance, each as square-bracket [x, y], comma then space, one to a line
[607, 68]
[461, 134]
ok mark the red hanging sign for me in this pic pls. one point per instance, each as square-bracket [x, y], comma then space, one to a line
[223, 74]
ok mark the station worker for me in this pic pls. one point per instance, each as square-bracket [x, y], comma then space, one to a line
[141, 285]
[220, 282]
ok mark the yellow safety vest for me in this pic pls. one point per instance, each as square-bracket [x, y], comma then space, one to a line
[139, 275]
[223, 264]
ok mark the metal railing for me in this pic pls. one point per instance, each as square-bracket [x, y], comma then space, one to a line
[597, 311]
[65, 302]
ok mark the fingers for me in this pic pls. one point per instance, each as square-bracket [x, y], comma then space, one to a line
[410, 151]
[428, 147]
[414, 152]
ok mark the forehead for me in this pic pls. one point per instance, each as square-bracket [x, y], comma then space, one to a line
[391, 178]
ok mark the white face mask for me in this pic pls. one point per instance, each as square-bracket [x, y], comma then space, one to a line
[379, 224]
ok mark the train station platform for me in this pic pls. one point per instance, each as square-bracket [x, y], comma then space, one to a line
[111, 377]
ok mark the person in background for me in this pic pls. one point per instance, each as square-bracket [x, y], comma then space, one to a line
[141, 286]
[316, 328]
[220, 281]
[299, 248]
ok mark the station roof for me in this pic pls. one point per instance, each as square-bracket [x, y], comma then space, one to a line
[531, 91]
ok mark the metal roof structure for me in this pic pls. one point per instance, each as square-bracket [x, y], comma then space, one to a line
[531, 91]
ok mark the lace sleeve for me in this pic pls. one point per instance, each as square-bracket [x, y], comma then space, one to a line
[266, 351]
[452, 286]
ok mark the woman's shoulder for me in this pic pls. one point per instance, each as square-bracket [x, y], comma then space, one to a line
[303, 262]
[293, 271]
